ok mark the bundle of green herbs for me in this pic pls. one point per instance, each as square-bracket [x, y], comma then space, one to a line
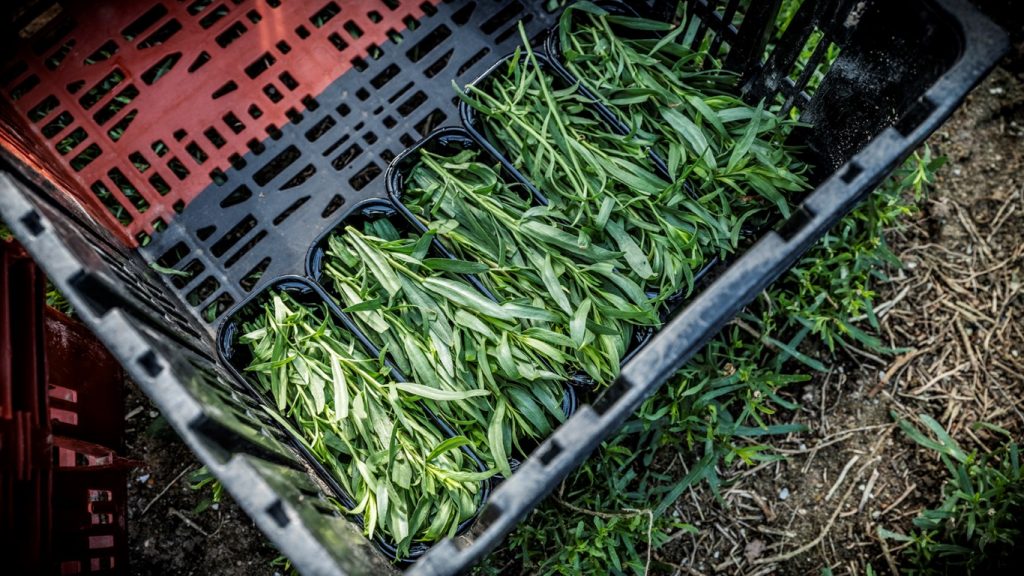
[532, 255]
[451, 338]
[604, 183]
[407, 480]
[597, 181]
[684, 104]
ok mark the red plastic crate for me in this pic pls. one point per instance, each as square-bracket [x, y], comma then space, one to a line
[24, 428]
[156, 99]
[63, 488]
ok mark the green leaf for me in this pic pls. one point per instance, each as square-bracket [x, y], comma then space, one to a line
[434, 393]
[169, 271]
[812, 363]
[449, 444]
[463, 476]
[691, 133]
[504, 357]
[454, 266]
[740, 150]
[376, 262]
[466, 296]
[524, 312]
[496, 439]
[547, 274]
[635, 257]
[568, 242]
[578, 325]
[364, 306]
[467, 320]
[524, 403]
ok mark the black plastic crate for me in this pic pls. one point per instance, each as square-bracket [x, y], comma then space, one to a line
[902, 70]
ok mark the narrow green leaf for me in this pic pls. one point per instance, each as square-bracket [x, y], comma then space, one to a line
[454, 266]
[578, 326]
[635, 257]
[466, 296]
[434, 393]
[449, 444]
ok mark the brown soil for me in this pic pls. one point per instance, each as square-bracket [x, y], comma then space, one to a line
[166, 535]
[956, 306]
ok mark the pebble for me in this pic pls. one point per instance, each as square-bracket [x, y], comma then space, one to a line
[153, 413]
[142, 479]
[784, 493]
[996, 91]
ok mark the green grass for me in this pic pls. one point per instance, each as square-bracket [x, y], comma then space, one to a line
[976, 527]
[56, 300]
[202, 479]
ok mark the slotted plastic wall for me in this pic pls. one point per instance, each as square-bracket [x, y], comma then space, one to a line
[223, 136]
[269, 121]
[63, 489]
[302, 177]
[144, 104]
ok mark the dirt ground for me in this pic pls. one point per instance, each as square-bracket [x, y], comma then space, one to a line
[956, 307]
[166, 535]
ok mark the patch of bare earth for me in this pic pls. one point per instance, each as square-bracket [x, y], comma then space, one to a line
[958, 310]
[166, 534]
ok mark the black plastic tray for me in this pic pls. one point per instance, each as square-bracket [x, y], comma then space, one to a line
[237, 357]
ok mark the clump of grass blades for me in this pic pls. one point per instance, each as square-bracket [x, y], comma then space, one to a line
[407, 480]
[451, 338]
[684, 104]
[55, 299]
[977, 527]
[531, 255]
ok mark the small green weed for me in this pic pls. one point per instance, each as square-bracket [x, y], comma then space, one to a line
[976, 528]
[57, 301]
[201, 479]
